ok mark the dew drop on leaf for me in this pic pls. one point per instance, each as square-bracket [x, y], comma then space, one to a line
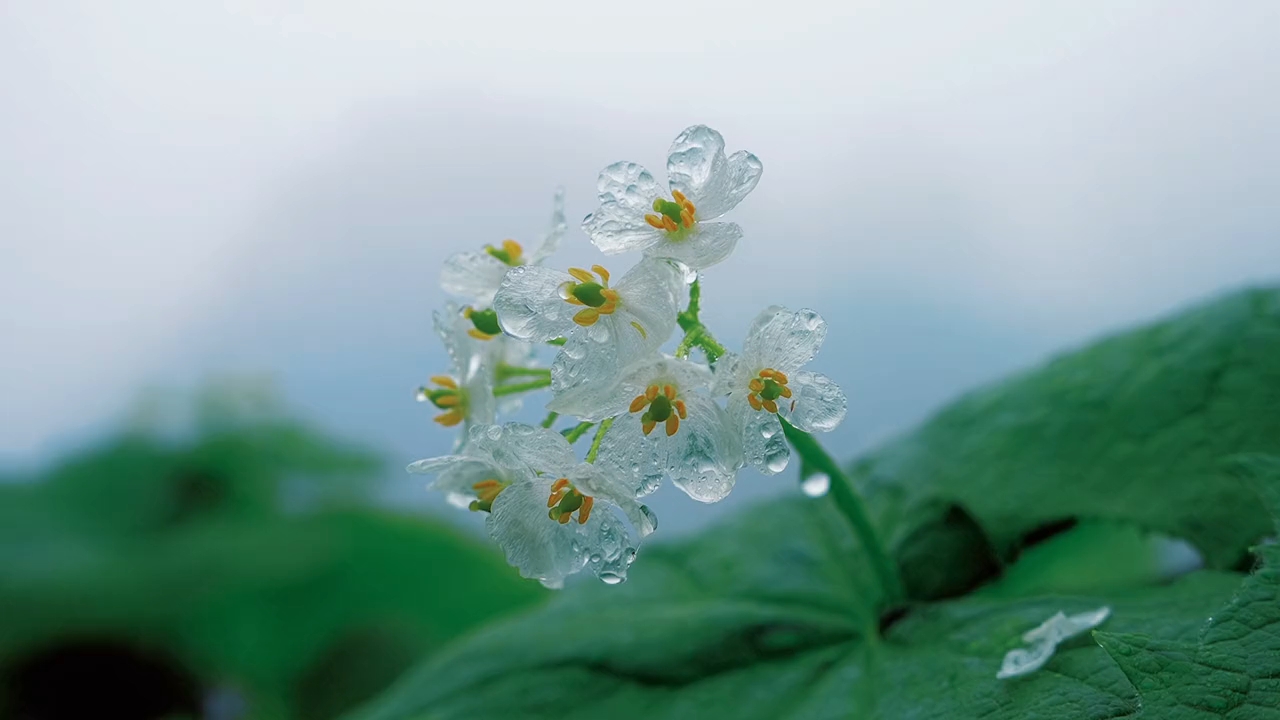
[816, 485]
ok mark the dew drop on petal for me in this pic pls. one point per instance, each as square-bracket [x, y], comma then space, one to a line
[650, 520]
[767, 431]
[610, 578]
[565, 290]
[595, 557]
[776, 461]
[811, 320]
[494, 432]
[599, 332]
[816, 485]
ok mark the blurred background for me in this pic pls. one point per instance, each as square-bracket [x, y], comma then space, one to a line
[265, 190]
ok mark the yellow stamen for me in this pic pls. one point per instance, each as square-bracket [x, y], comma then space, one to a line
[673, 425]
[555, 498]
[445, 381]
[669, 391]
[770, 405]
[512, 249]
[582, 275]
[604, 274]
[584, 512]
[451, 418]
[639, 403]
[786, 392]
[640, 329]
[756, 385]
[651, 392]
[608, 294]
[754, 402]
[484, 484]
[669, 225]
[479, 335]
[656, 221]
[560, 484]
[448, 401]
[780, 377]
[680, 408]
[648, 426]
[574, 301]
[686, 217]
[679, 197]
[564, 518]
[587, 318]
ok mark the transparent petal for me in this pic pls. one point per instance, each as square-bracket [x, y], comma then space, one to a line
[555, 233]
[482, 406]
[627, 192]
[685, 375]
[626, 452]
[708, 244]
[529, 305]
[584, 374]
[544, 549]
[649, 301]
[704, 455]
[763, 445]
[451, 328]
[614, 490]
[474, 276]
[697, 167]
[819, 403]
[783, 340]
[523, 448]
[730, 375]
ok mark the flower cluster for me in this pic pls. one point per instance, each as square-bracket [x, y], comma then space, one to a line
[655, 415]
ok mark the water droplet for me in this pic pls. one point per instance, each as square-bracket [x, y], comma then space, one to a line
[565, 290]
[494, 432]
[811, 320]
[777, 461]
[650, 522]
[816, 485]
[595, 557]
[768, 431]
[611, 578]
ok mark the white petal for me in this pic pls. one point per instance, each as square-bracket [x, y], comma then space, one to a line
[551, 240]
[649, 299]
[612, 489]
[475, 276]
[704, 455]
[763, 445]
[626, 452]
[731, 375]
[627, 192]
[783, 340]
[819, 403]
[523, 448]
[529, 305]
[697, 167]
[544, 549]
[708, 244]
[584, 374]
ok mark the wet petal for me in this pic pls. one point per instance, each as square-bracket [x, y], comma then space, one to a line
[614, 491]
[558, 227]
[763, 445]
[523, 448]
[627, 192]
[474, 276]
[704, 455]
[650, 299]
[783, 340]
[819, 403]
[708, 244]
[529, 305]
[628, 454]
[697, 167]
[584, 374]
[731, 375]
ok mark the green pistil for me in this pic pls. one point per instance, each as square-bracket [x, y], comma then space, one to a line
[571, 501]
[659, 409]
[486, 321]
[590, 294]
[668, 208]
[503, 255]
[772, 390]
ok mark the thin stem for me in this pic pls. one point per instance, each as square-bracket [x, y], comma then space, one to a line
[577, 431]
[516, 388]
[695, 333]
[850, 505]
[551, 419]
[558, 342]
[595, 442]
[504, 371]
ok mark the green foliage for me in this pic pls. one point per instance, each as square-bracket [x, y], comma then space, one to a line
[245, 554]
[776, 614]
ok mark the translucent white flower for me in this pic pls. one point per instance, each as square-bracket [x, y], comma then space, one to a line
[635, 213]
[552, 515]
[605, 324]
[466, 394]
[476, 276]
[665, 401]
[765, 382]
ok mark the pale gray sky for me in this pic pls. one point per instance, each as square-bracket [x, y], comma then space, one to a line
[960, 188]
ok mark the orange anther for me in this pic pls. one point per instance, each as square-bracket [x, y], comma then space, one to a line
[484, 484]
[780, 377]
[610, 295]
[451, 418]
[680, 408]
[679, 197]
[473, 332]
[669, 391]
[587, 318]
[639, 403]
[584, 512]
[648, 425]
[555, 498]
[669, 225]
[448, 401]
[582, 275]
[770, 405]
[767, 373]
[564, 518]
[754, 402]
[599, 270]
[656, 221]
[786, 391]
[651, 392]
[444, 381]
[756, 385]
[673, 424]
[560, 484]
[512, 248]
[686, 217]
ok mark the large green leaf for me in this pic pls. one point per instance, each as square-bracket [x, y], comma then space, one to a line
[1232, 670]
[1130, 430]
[768, 617]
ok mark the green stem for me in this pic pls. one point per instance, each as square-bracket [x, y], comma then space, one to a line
[850, 505]
[695, 333]
[551, 419]
[505, 371]
[516, 388]
[558, 342]
[595, 442]
[577, 431]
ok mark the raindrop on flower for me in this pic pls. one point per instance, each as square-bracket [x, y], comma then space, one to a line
[610, 578]
[816, 485]
[777, 461]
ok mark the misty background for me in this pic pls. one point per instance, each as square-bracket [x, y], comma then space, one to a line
[268, 188]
